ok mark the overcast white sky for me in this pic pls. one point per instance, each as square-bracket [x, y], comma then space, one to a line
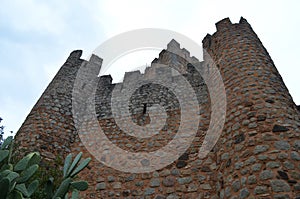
[36, 37]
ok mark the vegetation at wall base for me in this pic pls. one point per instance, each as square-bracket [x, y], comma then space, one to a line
[25, 179]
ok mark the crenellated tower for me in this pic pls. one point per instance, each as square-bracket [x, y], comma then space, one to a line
[256, 155]
[49, 127]
[258, 150]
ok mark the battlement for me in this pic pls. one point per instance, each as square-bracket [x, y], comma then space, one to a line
[227, 24]
[94, 59]
[74, 56]
[174, 47]
[255, 156]
[223, 26]
[105, 80]
[166, 65]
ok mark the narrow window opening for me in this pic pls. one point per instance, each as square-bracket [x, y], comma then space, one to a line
[145, 108]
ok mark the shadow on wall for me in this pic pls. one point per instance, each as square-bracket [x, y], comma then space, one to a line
[298, 107]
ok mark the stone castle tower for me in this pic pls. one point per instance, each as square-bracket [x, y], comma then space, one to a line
[256, 156]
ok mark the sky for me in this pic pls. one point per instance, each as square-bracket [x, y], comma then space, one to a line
[36, 37]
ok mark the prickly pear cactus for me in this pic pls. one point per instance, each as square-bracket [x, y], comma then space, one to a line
[71, 169]
[16, 179]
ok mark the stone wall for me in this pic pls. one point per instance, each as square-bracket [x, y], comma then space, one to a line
[49, 127]
[256, 156]
[258, 153]
[183, 178]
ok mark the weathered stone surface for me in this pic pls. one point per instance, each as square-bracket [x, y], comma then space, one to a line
[225, 156]
[175, 172]
[282, 145]
[272, 165]
[236, 185]
[288, 164]
[192, 188]
[117, 185]
[266, 174]
[261, 118]
[260, 149]
[130, 178]
[100, 186]
[239, 165]
[184, 180]
[205, 168]
[181, 164]
[263, 157]
[126, 193]
[281, 196]
[256, 167]
[173, 196]
[297, 187]
[182, 160]
[137, 192]
[165, 172]
[111, 194]
[260, 190]
[169, 181]
[236, 126]
[227, 191]
[139, 183]
[256, 156]
[279, 128]
[201, 178]
[244, 193]
[155, 182]
[252, 179]
[295, 175]
[159, 197]
[149, 191]
[295, 156]
[297, 145]
[252, 125]
[110, 178]
[283, 175]
[239, 138]
[280, 186]
[282, 156]
[245, 171]
[205, 186]
[250, 160]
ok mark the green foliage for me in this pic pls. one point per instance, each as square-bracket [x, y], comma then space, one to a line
[14, 180]
[22, 179]
[2, 132]
[69, 173]
[48, 170]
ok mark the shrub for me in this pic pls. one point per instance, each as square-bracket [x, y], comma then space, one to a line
[19, 180]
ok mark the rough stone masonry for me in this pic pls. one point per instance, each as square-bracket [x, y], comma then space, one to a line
[256, 156]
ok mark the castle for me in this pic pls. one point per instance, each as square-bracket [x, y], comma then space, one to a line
[255, 156]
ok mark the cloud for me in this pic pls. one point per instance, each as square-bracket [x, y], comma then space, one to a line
[32, 16]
